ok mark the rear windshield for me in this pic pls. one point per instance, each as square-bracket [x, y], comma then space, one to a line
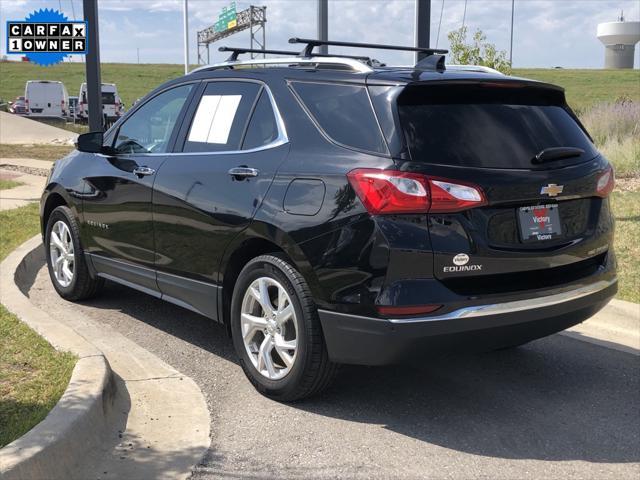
[108, 98]
[488, 127]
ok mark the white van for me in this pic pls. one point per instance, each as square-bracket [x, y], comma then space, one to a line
[110, 102]
[46, 98]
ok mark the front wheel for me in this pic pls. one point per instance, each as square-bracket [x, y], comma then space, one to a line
[276, 331]
[67, 265]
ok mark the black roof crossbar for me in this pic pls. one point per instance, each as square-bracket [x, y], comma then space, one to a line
[312, 43]
[236, 51]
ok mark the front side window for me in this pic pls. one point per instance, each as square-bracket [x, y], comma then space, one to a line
[221, 117]
[344, 113]
[149, 129]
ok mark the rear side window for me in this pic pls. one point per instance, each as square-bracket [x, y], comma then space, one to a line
[344, 113]
[262, 128]
[221, 117]
[487, 127]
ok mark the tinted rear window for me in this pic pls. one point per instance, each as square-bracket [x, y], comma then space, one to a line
[108, 98]
[344, 113]
[488, 127]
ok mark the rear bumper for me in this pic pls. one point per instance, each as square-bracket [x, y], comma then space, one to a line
[362, 340]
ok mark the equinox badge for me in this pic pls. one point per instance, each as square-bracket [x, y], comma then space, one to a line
[552, 189]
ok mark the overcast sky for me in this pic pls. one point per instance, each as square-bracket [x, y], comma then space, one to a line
[546, 32]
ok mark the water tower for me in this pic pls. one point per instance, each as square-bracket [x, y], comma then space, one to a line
[619, 40]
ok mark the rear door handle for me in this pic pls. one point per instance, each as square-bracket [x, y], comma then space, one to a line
[143, 171]
[243, 172]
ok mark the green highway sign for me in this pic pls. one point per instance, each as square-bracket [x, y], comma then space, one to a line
[227, 18]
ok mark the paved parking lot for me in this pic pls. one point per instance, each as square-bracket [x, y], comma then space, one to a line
[555, 408]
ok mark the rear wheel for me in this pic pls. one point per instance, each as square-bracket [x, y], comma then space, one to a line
[65, 258]
[276, 331]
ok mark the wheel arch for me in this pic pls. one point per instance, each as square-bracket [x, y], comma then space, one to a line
[260, 239]
[55, 197]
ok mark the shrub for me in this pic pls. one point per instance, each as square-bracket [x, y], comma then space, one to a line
[615, 128]
[480, 52]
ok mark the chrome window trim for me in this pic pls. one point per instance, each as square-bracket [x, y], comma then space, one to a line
[498, 308]
[281, 139]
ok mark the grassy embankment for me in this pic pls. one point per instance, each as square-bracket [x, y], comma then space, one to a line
[33, 375]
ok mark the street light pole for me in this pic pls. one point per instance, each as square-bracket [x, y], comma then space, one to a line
[422, 27]
[323, 24]
[185, 18]
[92, 67]
[513, 4]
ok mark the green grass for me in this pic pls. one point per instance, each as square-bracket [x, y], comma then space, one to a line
[133, 80]
[33, 375]
[39, 152]
[587, 87]
[9, 184]
[584, 87]
[626, 209]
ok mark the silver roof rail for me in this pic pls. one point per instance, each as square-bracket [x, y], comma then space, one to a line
[474, 68]
[355, 65]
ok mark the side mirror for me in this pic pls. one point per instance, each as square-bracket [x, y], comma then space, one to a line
[90, 142]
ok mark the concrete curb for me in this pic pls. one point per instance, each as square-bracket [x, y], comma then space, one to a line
[55, 447]
[616, 326]
[156, 421]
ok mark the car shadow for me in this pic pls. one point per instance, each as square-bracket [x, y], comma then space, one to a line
[555, 399]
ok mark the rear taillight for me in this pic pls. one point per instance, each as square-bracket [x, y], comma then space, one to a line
[383, 191]
[605, 183]
[393, 192]
[447, 196]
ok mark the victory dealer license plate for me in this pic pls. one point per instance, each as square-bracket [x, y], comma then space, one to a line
[541, 222]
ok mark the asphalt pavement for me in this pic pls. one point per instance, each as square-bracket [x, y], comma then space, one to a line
[555, 408]
[19, 129]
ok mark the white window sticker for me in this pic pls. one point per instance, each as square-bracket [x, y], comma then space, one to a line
[214, 118]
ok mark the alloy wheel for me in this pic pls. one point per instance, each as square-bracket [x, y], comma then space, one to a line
[269, 328]
[61, 252]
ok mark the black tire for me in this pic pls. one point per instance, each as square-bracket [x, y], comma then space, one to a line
[83, 285]
[312, 371]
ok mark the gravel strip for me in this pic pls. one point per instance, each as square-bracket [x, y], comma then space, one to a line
[41, 172]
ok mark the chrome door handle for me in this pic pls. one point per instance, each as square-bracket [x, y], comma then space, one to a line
[143, 171]
[243, 172]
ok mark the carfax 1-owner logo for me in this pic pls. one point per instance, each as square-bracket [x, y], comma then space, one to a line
[46, 36]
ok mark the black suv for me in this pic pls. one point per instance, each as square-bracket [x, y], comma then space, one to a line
[331, 210]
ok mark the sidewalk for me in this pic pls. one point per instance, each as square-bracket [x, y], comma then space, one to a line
[32, 173]
[22, 195]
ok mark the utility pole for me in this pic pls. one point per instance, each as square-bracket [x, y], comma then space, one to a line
[513, 4]
[422, 27]
[185, 17]
[323, 24]
[94, 83]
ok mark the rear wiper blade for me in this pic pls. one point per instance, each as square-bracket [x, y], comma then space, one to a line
[556, 153]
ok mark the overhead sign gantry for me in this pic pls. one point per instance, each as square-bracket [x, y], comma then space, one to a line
[229, 22]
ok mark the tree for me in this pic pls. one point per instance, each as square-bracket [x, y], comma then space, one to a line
[480, 52]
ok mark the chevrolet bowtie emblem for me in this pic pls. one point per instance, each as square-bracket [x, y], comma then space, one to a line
[552, 189]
